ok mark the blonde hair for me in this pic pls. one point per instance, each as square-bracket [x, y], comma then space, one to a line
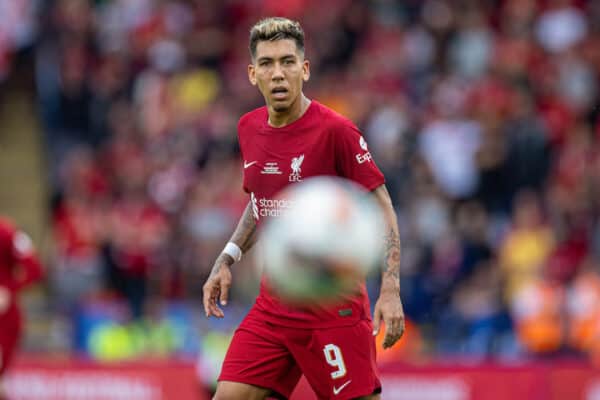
[276, 28]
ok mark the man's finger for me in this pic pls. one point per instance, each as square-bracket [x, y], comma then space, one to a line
[391, 332]
[388, 340]
[206, 295]
[225, 285]
[210, 296]
[396, 332]
[214, 307]
[217, 312]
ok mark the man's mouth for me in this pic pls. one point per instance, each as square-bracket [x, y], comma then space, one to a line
[279, 93]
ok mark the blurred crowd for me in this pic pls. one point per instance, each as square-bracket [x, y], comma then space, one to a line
[483, 115]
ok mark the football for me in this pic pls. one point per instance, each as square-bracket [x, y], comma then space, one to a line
[325, 244]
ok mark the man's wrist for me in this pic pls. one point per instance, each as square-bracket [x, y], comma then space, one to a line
[233, 251]
[388, 287]
[226, 259]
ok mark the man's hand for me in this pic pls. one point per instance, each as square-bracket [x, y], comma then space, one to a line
[5, 299]
[217, 286]
[389, 309]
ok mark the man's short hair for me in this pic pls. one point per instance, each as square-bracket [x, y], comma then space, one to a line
[276, 28]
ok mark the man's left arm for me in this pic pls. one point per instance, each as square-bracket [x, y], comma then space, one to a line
[389, 306]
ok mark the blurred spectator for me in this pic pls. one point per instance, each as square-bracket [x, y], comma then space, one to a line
[18, 29]
[527, 245]
[138, 234]
[537, 310]
[560, 26]
[476, 318]
[583, 306]
[450, 140]
[79, 221]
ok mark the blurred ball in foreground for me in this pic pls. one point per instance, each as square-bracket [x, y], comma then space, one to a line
[328, 241]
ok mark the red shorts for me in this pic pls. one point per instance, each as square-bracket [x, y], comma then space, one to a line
[10, 328]
[339, 363]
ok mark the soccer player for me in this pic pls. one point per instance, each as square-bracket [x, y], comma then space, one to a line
[289, 140]
[19, 267]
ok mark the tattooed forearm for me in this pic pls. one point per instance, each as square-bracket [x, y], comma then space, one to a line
[245, 232]
[391, 257]
[244, 236]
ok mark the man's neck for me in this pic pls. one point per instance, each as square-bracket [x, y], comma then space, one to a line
[297, 110]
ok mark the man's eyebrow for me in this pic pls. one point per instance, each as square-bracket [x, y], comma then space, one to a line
[268, 58]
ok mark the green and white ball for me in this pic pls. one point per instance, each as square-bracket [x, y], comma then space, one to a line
[330, 238]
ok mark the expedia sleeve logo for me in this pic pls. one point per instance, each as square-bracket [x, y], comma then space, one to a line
[365, 157]
[363, 144]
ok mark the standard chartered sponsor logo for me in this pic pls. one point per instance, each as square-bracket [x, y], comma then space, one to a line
[273, 207]
[265, 207]
[254, 206]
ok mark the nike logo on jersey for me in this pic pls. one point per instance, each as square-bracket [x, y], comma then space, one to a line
[248, 165]
[337, 390]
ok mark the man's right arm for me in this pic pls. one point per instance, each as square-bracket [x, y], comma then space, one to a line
[245, 232]
[219, 281]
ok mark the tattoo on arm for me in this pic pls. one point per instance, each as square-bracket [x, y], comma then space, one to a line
[244, 236]
[245, 233]
[391, 256]
[391, 260]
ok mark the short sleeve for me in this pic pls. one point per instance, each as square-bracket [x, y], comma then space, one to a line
[353, 158]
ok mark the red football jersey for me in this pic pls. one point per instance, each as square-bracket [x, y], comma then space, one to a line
[16, 250]
[321, 142]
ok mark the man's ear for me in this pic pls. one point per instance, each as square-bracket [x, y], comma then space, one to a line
[252, 74]
[305, 70]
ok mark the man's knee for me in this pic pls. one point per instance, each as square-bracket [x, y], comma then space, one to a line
[239, 391]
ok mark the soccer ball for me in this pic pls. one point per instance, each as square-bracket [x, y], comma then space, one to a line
[326, 243]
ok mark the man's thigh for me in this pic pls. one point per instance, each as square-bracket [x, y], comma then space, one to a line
[258, 357]
[339, 363]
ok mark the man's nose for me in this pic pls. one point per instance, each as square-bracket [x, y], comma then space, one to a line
[277, 72]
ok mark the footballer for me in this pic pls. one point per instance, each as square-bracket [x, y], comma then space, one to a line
[290, 139]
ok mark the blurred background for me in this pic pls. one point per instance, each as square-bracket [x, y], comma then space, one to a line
[118, 155]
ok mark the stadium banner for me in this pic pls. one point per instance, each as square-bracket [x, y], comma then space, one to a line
[551, 381]
[36, 378]
[70, 379]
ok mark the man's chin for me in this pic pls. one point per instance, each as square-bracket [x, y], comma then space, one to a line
[280, 108]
